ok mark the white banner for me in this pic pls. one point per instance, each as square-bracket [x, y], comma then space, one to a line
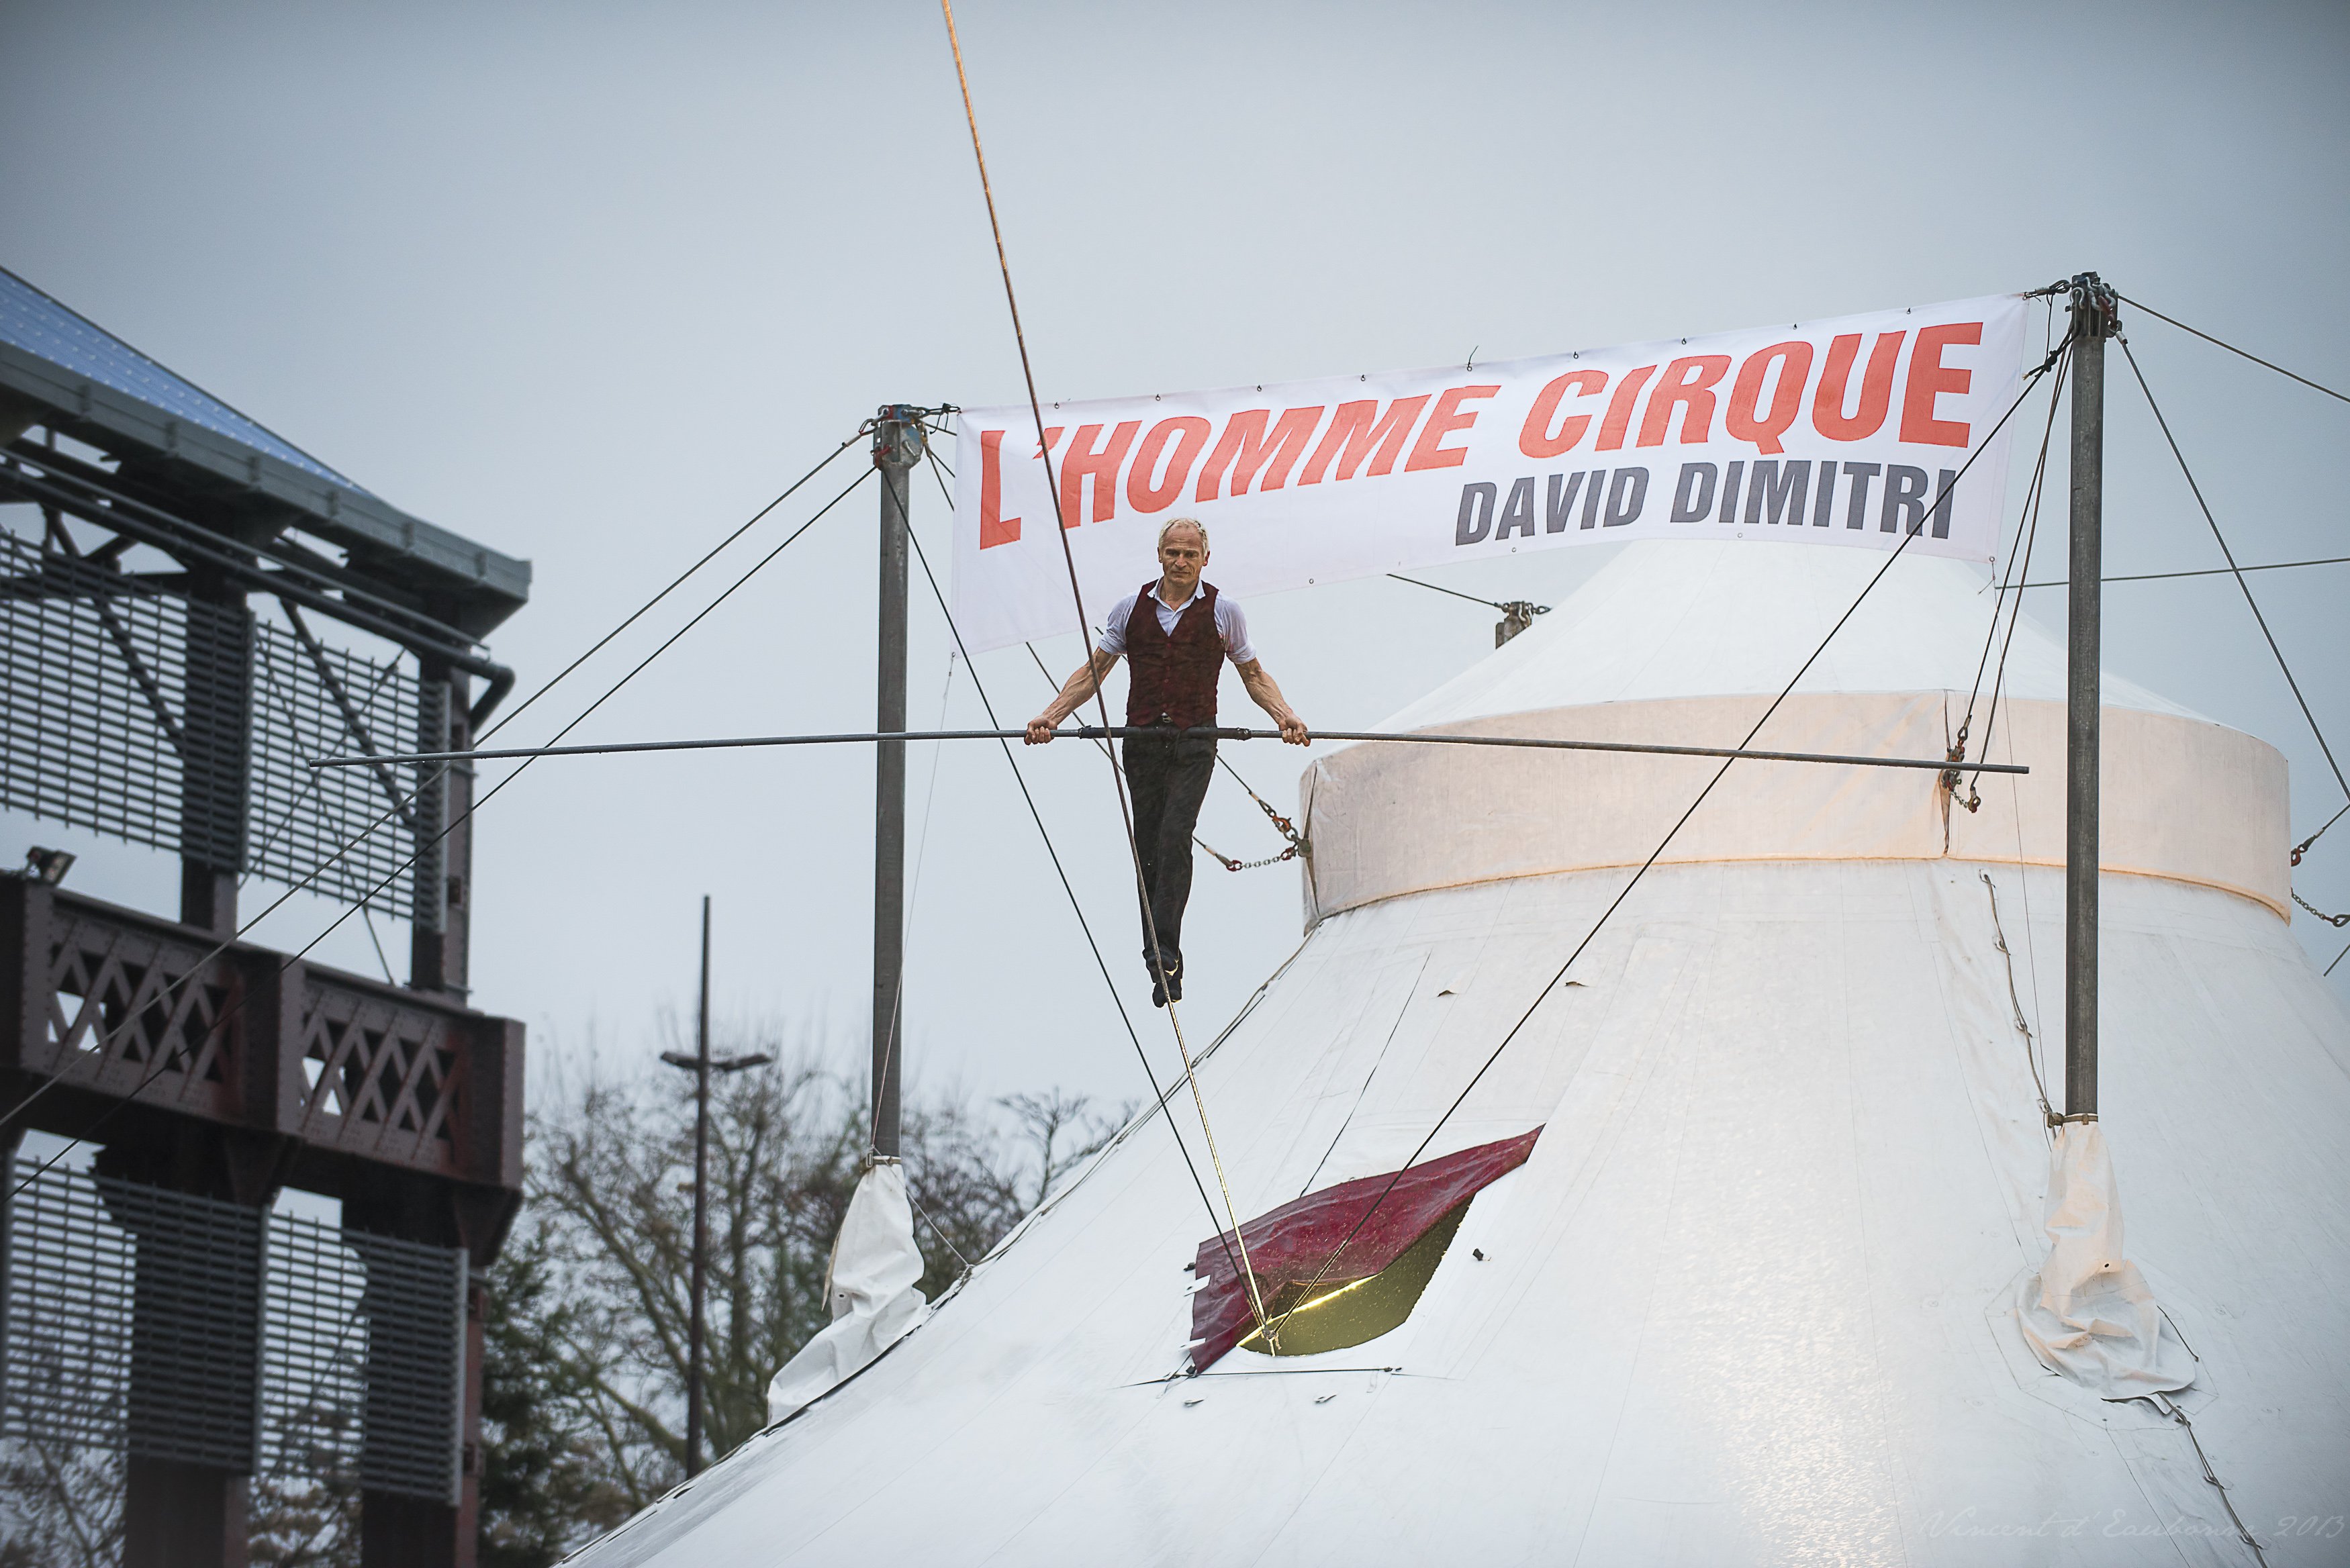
[1848, 432]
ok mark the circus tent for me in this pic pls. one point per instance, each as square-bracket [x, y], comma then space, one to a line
[1759, 1291]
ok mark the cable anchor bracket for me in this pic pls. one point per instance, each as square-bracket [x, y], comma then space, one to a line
[2095, 307]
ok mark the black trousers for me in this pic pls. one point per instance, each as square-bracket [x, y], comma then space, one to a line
[1167, 781]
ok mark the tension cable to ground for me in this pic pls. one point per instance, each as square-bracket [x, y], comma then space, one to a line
[2019, 565]
[1306, 1296]
[165, 1061]
[2222, 540]
[2270, 637]
[1118, 781]
[1158, 1095]
[2231, 347]
[402, 803]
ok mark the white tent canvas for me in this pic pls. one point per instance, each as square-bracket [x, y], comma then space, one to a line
[1755, 1297]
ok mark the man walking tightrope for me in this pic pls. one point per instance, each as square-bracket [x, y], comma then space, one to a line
[1176, 634]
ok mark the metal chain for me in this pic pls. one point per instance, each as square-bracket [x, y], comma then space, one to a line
[1230, 864]
[1282, 825]
[2329, 919]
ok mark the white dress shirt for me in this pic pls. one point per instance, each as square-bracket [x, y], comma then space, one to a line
[1232, 626]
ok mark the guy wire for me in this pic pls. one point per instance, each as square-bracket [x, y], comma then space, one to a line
[2205, 507]
[2011, 577]
[2015, 610]
[1158, 1093]
[2231, 347]
[164, 1059]
[345, 848]
[1306, 1296]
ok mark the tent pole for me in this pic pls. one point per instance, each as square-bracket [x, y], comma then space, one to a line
[2094, 319]
[897, 447]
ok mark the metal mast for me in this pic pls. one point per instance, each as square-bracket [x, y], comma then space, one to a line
[2094, 318]
[696, 1331]
[702, 1064]
[897, 447]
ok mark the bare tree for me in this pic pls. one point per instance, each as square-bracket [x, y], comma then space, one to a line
[584, 1392]
[610, 1212]
[63, 1504]
[1062, 1129]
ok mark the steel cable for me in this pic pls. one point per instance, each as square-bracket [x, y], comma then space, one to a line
[2015, 612]
[1306, 1296]
[1117, 780]
[352, 841]
[2231, 348]
[2220, 538]
[164, 1059]
[2028, 529]
[1158, 1095]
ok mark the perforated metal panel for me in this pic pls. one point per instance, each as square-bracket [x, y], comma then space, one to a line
[314, 700]
[365, 1358]
[134, 1315]
[134, 711]
[94, 703]
[184, 1328]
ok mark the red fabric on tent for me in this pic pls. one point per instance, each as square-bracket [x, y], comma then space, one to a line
[1291, 1244]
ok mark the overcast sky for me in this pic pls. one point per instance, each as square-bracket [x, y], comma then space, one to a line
[590, 284]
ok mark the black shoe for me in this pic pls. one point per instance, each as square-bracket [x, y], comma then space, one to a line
[1166, 978]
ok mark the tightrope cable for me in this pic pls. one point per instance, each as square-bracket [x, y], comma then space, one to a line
[2200, 572]
[1158, 731]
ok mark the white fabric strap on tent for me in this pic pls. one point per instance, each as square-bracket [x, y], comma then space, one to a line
[870, 1285]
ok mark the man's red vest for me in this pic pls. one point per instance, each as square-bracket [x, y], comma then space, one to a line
[1171, 678]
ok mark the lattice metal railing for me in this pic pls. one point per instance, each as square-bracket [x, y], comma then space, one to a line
[153, 1323]
[129, 708]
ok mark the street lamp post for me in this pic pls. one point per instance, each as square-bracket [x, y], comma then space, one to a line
[702, 1064]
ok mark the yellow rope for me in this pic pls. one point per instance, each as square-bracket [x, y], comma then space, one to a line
[1036, 407]
[1256, 1294]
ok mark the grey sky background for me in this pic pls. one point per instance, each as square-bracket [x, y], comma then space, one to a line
[590, 284]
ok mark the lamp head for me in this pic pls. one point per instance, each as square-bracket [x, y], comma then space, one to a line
[741, 1064]
[49, 866]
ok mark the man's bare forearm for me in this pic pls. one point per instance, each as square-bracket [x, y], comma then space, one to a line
[1077, 690]
[1258, 681]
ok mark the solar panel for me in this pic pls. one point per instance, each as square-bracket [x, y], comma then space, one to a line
[31, 321]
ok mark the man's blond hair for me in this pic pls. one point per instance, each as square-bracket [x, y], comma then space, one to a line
[1193, 524]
